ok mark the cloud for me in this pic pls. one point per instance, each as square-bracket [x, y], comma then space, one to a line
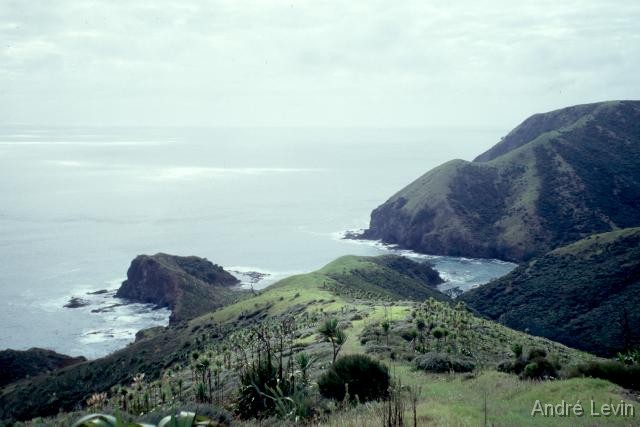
[270, 62]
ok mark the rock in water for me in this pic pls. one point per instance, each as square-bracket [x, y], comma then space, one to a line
[556, 178]
[75, 302]
[189, 286]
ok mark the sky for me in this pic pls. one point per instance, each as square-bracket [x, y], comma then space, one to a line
[372, 63]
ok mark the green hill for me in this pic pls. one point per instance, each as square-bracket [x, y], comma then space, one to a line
[556, 178]
[387, 277]
[584, 295]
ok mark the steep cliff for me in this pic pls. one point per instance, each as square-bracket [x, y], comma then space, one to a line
[189, 286]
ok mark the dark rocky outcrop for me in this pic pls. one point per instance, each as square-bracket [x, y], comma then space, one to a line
[556, 178]
[18, 364]
[583, 295]
[75, 302]
[189, 286]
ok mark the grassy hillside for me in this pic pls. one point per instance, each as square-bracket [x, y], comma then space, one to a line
[553, 180]
[584, 294]
[537, 125]
[383, 278]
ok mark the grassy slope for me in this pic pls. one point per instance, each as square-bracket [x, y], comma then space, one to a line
[445, 399]
[565, 175]
[453, 400]
[577, 294]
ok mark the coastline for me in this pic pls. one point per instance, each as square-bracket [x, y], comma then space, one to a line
[458, 279]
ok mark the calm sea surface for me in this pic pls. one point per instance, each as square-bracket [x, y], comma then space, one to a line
[78, 204]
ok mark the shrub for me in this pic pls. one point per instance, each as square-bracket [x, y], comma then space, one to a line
[616, 372]
[379, 349]
[536, 353]
[516, 348]
[506, 366]
[439, 333]
[631, 357]
[366, 378]
[438, 362]
[539, 368]
[535, 365]
[409, 334]
[256, 383]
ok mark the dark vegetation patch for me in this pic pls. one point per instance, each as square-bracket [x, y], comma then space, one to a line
[532, 365]
[584, 297]
[439, 363]
[562, 205]
[15, 364]
[610, 370]
[362, 377]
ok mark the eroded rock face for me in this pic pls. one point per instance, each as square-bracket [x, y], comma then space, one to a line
[188, 286]
[17, 364]
[555, 179]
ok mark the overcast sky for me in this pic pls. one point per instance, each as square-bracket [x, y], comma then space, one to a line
[314, 63]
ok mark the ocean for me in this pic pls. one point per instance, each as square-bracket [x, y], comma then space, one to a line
[79, 203]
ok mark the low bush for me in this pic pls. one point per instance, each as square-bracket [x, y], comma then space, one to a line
[631, 357]
[257, 383]
[535, 353]
[365, 378]
[535, 366]
[439, 362]
[627, 376]
[378, 349]
[539, 368]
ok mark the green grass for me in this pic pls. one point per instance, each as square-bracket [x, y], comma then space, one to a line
[455, 400]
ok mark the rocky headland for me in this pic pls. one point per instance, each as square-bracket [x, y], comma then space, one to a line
[188, 286]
